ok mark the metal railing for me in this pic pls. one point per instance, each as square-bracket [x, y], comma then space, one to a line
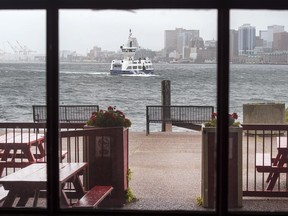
[177, 115]
[67, 113]
[265, 151]
[68, 149]
[104, 149]
[260, 148]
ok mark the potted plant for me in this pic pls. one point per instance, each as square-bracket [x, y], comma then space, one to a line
[209, 161]
[106, 151]
[232, 120]
[109, 118]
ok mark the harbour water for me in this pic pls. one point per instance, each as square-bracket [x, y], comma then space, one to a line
[24, 84]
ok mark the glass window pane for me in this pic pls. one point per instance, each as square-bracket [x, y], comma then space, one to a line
[105, 60]
[258, 94]
[23, 85]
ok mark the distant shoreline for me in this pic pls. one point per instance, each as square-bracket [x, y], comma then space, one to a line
[155, 63]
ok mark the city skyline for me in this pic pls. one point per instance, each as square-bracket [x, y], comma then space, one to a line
[81, 30]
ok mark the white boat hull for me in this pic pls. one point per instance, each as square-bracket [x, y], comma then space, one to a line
[119, 72]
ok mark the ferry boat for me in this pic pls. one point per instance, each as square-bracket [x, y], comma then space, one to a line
[129, 65]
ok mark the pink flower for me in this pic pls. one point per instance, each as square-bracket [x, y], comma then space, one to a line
[234, 115]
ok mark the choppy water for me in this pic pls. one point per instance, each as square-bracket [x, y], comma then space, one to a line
[23, 85]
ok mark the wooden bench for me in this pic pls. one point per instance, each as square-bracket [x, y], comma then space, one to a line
[94, 197]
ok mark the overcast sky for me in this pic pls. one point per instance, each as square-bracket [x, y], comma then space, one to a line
[83, 29]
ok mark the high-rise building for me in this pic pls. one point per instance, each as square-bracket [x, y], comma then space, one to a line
[280, 41]
[246, 39]
[170, 41]
[233, 43]
[263, 34]
[270, 33]
[179, 39]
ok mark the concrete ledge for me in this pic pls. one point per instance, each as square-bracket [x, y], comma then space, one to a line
[263, 113]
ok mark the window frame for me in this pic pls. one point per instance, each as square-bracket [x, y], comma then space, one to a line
[52, 8]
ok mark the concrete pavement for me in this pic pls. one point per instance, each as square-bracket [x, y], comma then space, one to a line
[166, 175]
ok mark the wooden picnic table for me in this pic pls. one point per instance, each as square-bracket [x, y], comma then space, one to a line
[273, 165]
[16, 149]
[31, 180]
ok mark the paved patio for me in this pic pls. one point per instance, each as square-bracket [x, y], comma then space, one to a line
[167, 174]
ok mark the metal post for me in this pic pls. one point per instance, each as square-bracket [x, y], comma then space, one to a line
[147, 120]
[166, 102]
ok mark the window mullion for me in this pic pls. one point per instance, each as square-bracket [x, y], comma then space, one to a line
[53, 200]
[222, 110]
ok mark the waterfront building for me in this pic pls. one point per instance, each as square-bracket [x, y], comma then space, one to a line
[258, 45]
[95, 52]
[259, 42]
[271, 30]
[277, 57]
[263, 34]
[280, 41]
[233, 43]
[179, 39]
[246, 39]
[210, 43]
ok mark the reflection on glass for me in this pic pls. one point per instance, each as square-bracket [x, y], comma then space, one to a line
[258, 55]
[120, 58]
[22, 83]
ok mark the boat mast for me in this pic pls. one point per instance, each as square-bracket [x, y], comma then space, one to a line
[130, 38]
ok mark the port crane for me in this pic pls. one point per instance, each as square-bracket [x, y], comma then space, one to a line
[20, 49]
[16, 51]
[24, 49]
